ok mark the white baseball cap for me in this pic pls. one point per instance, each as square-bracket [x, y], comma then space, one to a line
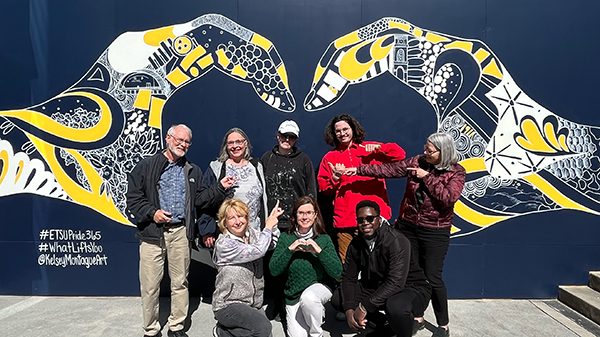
[289, 126]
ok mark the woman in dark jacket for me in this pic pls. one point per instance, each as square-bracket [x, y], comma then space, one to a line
[435, 183]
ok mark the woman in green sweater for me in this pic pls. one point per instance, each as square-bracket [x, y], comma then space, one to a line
[308, 259]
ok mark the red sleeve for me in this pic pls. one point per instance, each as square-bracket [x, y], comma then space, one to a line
[325, 177]
[391, 152]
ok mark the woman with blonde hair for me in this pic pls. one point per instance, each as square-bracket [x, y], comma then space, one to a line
[239, 286]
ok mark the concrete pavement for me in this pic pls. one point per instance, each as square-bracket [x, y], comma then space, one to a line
[121, 316]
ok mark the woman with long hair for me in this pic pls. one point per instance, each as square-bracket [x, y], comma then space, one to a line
[235, 161]
[347, 137]
[307, 258]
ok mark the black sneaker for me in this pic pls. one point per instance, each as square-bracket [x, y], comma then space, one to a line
[417, 326]
[376, 320]
[441, 332]
[178, 333]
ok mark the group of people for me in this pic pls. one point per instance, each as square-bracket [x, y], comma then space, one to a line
[370, 267]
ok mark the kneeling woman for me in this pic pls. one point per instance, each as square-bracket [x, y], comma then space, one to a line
[239, 285]
[310, 262]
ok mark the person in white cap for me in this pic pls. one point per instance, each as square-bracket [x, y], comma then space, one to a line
[289, 175]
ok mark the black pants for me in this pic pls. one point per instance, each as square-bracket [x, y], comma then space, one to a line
[399, 309]
[429, 246]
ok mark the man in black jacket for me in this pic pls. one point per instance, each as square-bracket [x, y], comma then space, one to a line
[390, 279]
[163, 191]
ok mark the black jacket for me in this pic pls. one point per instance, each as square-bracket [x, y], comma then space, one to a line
[385, 271]
[143, 201]
[288, 178]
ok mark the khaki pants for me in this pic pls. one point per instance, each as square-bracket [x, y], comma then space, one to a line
[344, 237]
[175, 247]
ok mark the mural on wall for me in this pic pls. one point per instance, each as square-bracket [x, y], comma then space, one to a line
[520, 157]
[80, 145]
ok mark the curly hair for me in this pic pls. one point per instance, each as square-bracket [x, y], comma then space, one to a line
[238, 206]
[318, 226]
[358, 132]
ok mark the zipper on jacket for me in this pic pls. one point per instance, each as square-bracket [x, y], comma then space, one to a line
[228, 294]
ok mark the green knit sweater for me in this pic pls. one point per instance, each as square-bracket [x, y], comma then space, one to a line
[303, 269]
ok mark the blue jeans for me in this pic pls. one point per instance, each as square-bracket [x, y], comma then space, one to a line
[242, 320]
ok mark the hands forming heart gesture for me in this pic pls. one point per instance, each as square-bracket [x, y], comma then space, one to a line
[301, 245]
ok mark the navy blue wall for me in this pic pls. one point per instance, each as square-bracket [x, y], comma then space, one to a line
[549, 47]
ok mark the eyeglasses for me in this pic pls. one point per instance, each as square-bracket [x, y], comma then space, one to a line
[338, 131]
[181, 140]
[370, 219]
[288, 136]
[236, 142]
[309, 213]
[428, 151]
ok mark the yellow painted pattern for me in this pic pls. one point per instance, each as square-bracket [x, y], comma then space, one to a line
[468, 46]
[261, 41]
[318, 73]
[19, 172]
[194, 72]
[347, 39]
[436, 38]
[466, 129]
[473, 165]
[333, 90]
[182, 45]
[155, 36]
[405, 27]
[350, 68]
[54, 128]
[555, 195]
[143, 99]
[238, 70]
[93, 199]
[379, 53]
[474, 217]
[177, 77]
[223, 60]
[4, 158]
[155, 117]
[192, 57]
[418, 32]
[205, 61]
[492, 69]
[283, 74]
[454, 230]
[550, 135]
[481, 55]
[533, 140]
